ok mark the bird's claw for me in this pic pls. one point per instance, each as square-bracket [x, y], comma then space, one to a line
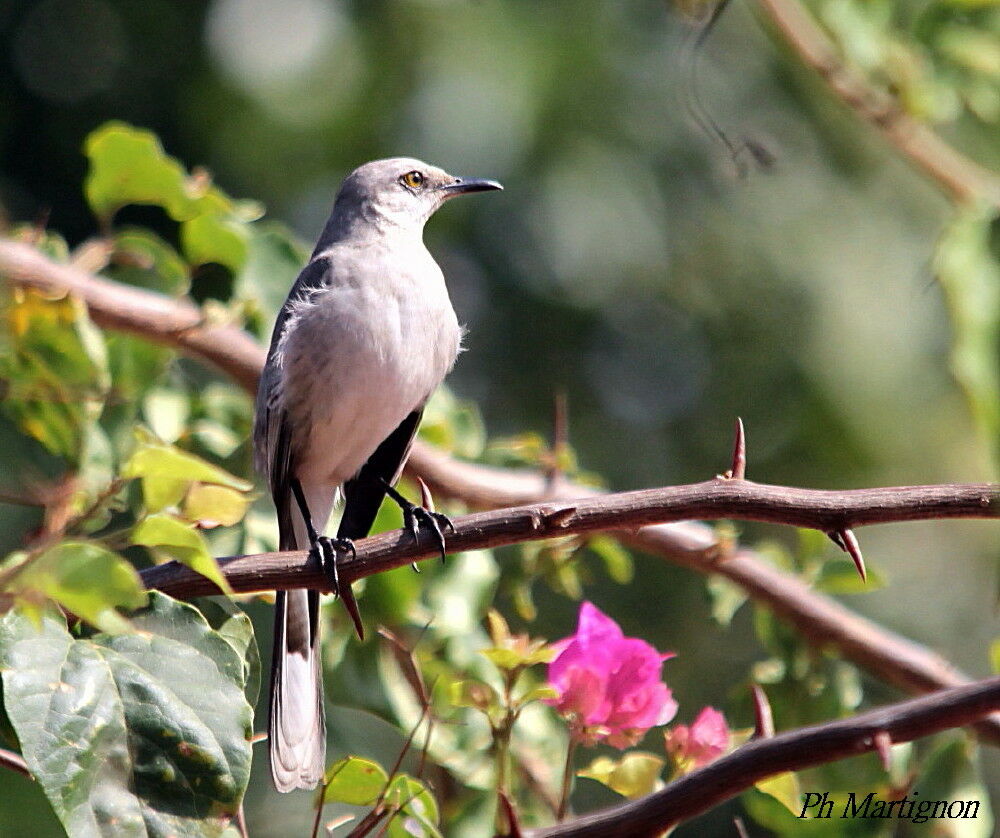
[415, 517]
[325, 550]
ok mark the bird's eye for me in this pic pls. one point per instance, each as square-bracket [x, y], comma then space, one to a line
[414, 180]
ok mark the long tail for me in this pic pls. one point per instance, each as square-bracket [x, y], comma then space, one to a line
[297, 722]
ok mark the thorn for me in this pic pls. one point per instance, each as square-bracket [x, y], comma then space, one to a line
[258, 737]
[848, 542]
[560, 439]
[351, 604]
[883, 745]
[558, 517]
[739, 452]
[426, 499]
[510, 815]
[763, 717]
[739, 467]
[741, 829]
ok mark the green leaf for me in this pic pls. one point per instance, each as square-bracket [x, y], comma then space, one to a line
[418, 815]
[128, 166]
[148, 732]
[54, 364]
[166, 472]
[635, 775]
[726, 598]
[475, 694]
[215, 238]
[784, 788]
[180, 541]
[951, 773]
[970, 278]
[354, 780]
[235, 627]
[840, 576]
[211, 506]
[87, 580]
[617, 560]
[142, 258]
[166, 410]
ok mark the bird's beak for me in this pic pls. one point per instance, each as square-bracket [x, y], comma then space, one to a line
[463, 186]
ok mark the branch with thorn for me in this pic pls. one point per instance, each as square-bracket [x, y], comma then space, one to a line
[821, 620]
[793, 750]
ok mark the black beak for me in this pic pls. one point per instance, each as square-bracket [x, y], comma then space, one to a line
[463, 186]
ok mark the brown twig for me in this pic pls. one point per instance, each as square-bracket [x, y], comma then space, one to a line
[821, 620]
[790, 751]
[963, 179]
[743, 500]
[15, 762]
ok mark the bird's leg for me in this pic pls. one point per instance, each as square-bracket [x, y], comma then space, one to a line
[324, 548]
[415, 516]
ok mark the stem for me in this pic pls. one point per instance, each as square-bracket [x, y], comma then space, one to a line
[567, 780]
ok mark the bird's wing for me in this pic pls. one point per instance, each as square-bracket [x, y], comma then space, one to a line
[364, 493]
[297, 723]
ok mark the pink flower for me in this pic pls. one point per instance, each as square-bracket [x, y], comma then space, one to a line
[706, 739]
[609, 685]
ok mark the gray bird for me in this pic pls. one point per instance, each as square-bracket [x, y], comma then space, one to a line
[366, 335]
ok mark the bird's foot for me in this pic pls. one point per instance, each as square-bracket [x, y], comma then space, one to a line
[415, 517]
[325, 550]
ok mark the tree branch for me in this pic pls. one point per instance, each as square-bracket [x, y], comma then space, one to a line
[963, 179]
[821, 620]
[15, 762]
[793, 750]
[720, 498]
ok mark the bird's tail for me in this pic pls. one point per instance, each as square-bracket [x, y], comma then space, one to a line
[297, 723]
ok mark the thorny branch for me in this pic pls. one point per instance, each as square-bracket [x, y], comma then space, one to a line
[719, 498]
[821, 620]
[792, 750]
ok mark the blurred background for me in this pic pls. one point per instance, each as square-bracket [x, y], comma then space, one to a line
[626, 263]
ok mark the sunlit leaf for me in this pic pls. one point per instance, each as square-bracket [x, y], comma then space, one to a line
[148, 731]
[128, 166]
[354, 780]
[144, 259]
[970, 277]
[87, 580]
[181, 541]
[784, 788]
[951, 773]
[840, 576]
[418, 815]
[617, 560]
[215, 238]
[54, 363]
[634, 775]
[211, 506]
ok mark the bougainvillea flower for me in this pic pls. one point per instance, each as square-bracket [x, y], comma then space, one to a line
[706, 739]
[609, 686]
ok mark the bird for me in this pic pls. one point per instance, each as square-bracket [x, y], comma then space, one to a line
[365, 336]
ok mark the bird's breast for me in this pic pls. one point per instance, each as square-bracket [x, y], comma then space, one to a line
[357, 361]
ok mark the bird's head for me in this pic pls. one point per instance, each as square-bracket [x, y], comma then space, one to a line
[402, 191]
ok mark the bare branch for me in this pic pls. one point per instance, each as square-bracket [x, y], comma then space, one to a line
[15, 762]
[743, 500]
[820, 619]
[790, 751]
[963, 179]
[156, 317]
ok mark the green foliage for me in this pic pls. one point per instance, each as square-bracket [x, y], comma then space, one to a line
[969, 274]
[149, 731]
[83, 578]
[159, 733]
